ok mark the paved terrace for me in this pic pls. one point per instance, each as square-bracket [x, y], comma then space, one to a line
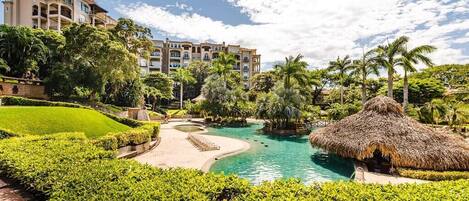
[176, 151]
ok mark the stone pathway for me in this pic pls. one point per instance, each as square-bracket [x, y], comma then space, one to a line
[176, 151]
[12, 192]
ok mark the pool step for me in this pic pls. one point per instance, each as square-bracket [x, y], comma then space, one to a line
[202, 143]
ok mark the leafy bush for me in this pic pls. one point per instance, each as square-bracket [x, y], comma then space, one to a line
[19, 101]
[135, 136]
[434, 175]
[339, 111]
[66, 167]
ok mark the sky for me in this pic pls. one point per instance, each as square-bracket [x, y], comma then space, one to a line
[319, 30]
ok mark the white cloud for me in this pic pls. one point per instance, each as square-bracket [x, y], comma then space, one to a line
[320, 30]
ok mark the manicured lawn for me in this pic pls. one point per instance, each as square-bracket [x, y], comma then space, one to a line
[46, 120]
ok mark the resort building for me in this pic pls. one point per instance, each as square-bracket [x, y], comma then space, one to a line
[55, 14]
[171, 55]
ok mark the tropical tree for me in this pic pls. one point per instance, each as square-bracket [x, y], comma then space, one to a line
[21, 50]
[388, 57]
[200, 70]
[436, 110]
[341, 66]
[320, 79]
[94, 59]
[455, 114]
[157, 85]
[408, 60]
[135, 38]
[182, 76]
[263, 82]
[223, 65]
[3, 66]
[363, 67]
[293, 68]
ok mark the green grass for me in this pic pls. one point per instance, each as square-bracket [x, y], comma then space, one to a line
[46, 120]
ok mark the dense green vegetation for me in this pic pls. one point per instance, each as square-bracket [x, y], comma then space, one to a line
[46, 120]
[433, 175]
[67, 167]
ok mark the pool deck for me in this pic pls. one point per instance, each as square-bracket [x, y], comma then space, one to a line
[176, 151]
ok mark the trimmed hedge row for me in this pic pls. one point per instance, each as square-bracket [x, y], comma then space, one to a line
[66, 167]
[135, 136]
[434, 175]
[20, 101]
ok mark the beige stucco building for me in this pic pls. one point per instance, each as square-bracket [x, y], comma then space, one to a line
[171, 55]
[55, 14]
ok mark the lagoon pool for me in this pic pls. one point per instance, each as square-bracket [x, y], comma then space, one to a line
[272, 157]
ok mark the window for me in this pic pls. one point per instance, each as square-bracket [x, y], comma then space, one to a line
[82, 19]
[15, 89]
[85, 8]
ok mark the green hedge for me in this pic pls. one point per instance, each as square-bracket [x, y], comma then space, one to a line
[20, 101]
[135, 136]
[66, 167]
[75, 170]
[434, 175]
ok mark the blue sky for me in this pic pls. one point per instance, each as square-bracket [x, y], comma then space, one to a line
[320, 30]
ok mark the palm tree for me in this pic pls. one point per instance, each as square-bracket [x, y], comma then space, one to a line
[389, 58]
[182, 76]
[363, 67]
[292, 68]
[455, 113]
[342, 66]
[408, 60]
[223, 65]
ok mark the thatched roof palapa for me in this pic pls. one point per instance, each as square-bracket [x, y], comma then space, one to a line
[382, 126]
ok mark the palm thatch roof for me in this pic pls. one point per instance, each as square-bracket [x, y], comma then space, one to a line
[382, 126]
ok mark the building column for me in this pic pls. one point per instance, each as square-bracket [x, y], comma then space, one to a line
[39, 14]
[48, 16]
[59, 19]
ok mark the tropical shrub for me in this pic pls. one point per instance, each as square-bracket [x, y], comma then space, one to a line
[420, 90]
[66, 167]
[339, 111]
[135, 136]
[434, 175]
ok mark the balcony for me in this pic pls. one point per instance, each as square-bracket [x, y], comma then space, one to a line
[246, 69]
[155, 54]
[175, 65]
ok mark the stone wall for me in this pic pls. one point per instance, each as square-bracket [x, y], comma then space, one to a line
[23, 90]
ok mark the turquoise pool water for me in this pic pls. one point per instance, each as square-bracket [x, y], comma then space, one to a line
[279, 157]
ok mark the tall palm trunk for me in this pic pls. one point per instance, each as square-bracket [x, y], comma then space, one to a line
[406, 91]
[341, 93]
[181, 95]
[390, 82]
[363, 86]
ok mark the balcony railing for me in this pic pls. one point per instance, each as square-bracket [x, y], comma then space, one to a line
[155, 54]
[175, 55]
[35, 13]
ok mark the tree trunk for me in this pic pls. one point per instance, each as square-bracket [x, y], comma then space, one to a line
[364, 87]
[390, 82]
[406, 92]
[341, 93]
[181, 95]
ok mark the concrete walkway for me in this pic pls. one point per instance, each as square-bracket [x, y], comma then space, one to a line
[175, 150]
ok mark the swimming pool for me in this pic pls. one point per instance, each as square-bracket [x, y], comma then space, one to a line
[272, 157]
